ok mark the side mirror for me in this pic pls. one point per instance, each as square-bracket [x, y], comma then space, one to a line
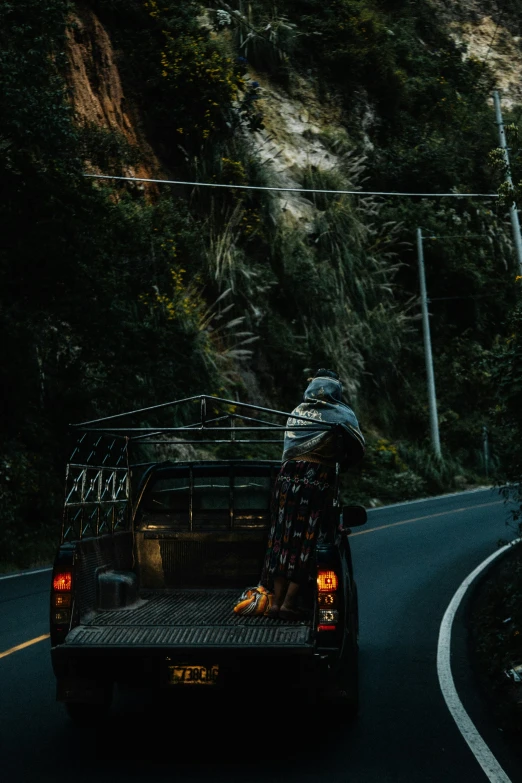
[354, 516]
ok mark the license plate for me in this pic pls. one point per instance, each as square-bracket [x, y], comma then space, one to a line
[193, 675]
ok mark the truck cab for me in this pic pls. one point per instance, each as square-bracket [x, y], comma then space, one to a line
[154, 557]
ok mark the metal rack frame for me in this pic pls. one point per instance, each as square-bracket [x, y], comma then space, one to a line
[97, 485]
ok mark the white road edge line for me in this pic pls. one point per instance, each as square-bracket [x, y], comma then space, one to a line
[465, 725]
[26, 573]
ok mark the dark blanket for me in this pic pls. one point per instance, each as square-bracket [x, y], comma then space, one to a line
[322, 403]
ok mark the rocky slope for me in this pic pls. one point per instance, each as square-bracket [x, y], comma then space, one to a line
[96, 92]
[492, 34]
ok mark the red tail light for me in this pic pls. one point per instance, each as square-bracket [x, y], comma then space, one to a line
[62, 581]
[327, 599]
[62, 600]
[327, 581]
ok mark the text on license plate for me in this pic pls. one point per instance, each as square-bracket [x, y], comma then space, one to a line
[193, 675]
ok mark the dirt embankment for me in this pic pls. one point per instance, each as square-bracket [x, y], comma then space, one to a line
[97, 95]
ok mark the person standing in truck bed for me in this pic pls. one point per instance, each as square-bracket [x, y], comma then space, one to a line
[304, 488]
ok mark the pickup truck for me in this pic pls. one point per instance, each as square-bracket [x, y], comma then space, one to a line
[155, 554]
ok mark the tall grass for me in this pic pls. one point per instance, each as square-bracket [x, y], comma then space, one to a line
[262, 34]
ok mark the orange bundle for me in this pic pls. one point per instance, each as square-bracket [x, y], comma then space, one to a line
[254, 601]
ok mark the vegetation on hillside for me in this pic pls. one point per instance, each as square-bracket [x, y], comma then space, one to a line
[111, 301]
[495, 628]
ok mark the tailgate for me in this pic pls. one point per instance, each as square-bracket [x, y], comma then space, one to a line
[183, 620]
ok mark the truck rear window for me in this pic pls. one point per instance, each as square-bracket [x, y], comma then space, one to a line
[171, 494]
[252, 492]
[213, 497]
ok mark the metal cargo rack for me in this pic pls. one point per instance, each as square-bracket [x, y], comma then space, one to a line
[98, 477]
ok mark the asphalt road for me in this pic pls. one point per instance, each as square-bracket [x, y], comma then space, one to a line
[409, 561]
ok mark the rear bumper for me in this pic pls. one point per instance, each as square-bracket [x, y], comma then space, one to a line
[82, 669]
[148, 664]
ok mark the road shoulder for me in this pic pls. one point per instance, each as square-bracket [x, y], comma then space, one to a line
[470, 670]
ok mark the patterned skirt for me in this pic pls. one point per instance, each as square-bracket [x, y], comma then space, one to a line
[301, 497]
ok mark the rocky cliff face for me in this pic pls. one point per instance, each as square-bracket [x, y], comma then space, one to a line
[490, 34]
[96, 91]
[300, 132]
[302, 136]
[292, 141]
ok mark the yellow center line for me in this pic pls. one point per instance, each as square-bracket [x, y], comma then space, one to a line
[428, 516]
[24, 645]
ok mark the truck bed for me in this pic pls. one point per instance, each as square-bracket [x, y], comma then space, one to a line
[179, 619]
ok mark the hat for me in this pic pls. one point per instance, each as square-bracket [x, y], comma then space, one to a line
[323, 373]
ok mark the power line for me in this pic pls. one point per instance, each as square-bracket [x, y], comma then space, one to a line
[292, 190]
[461, 236]
[445, 298]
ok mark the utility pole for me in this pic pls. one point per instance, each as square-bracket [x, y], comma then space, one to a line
[513, 213]
[432, 400]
